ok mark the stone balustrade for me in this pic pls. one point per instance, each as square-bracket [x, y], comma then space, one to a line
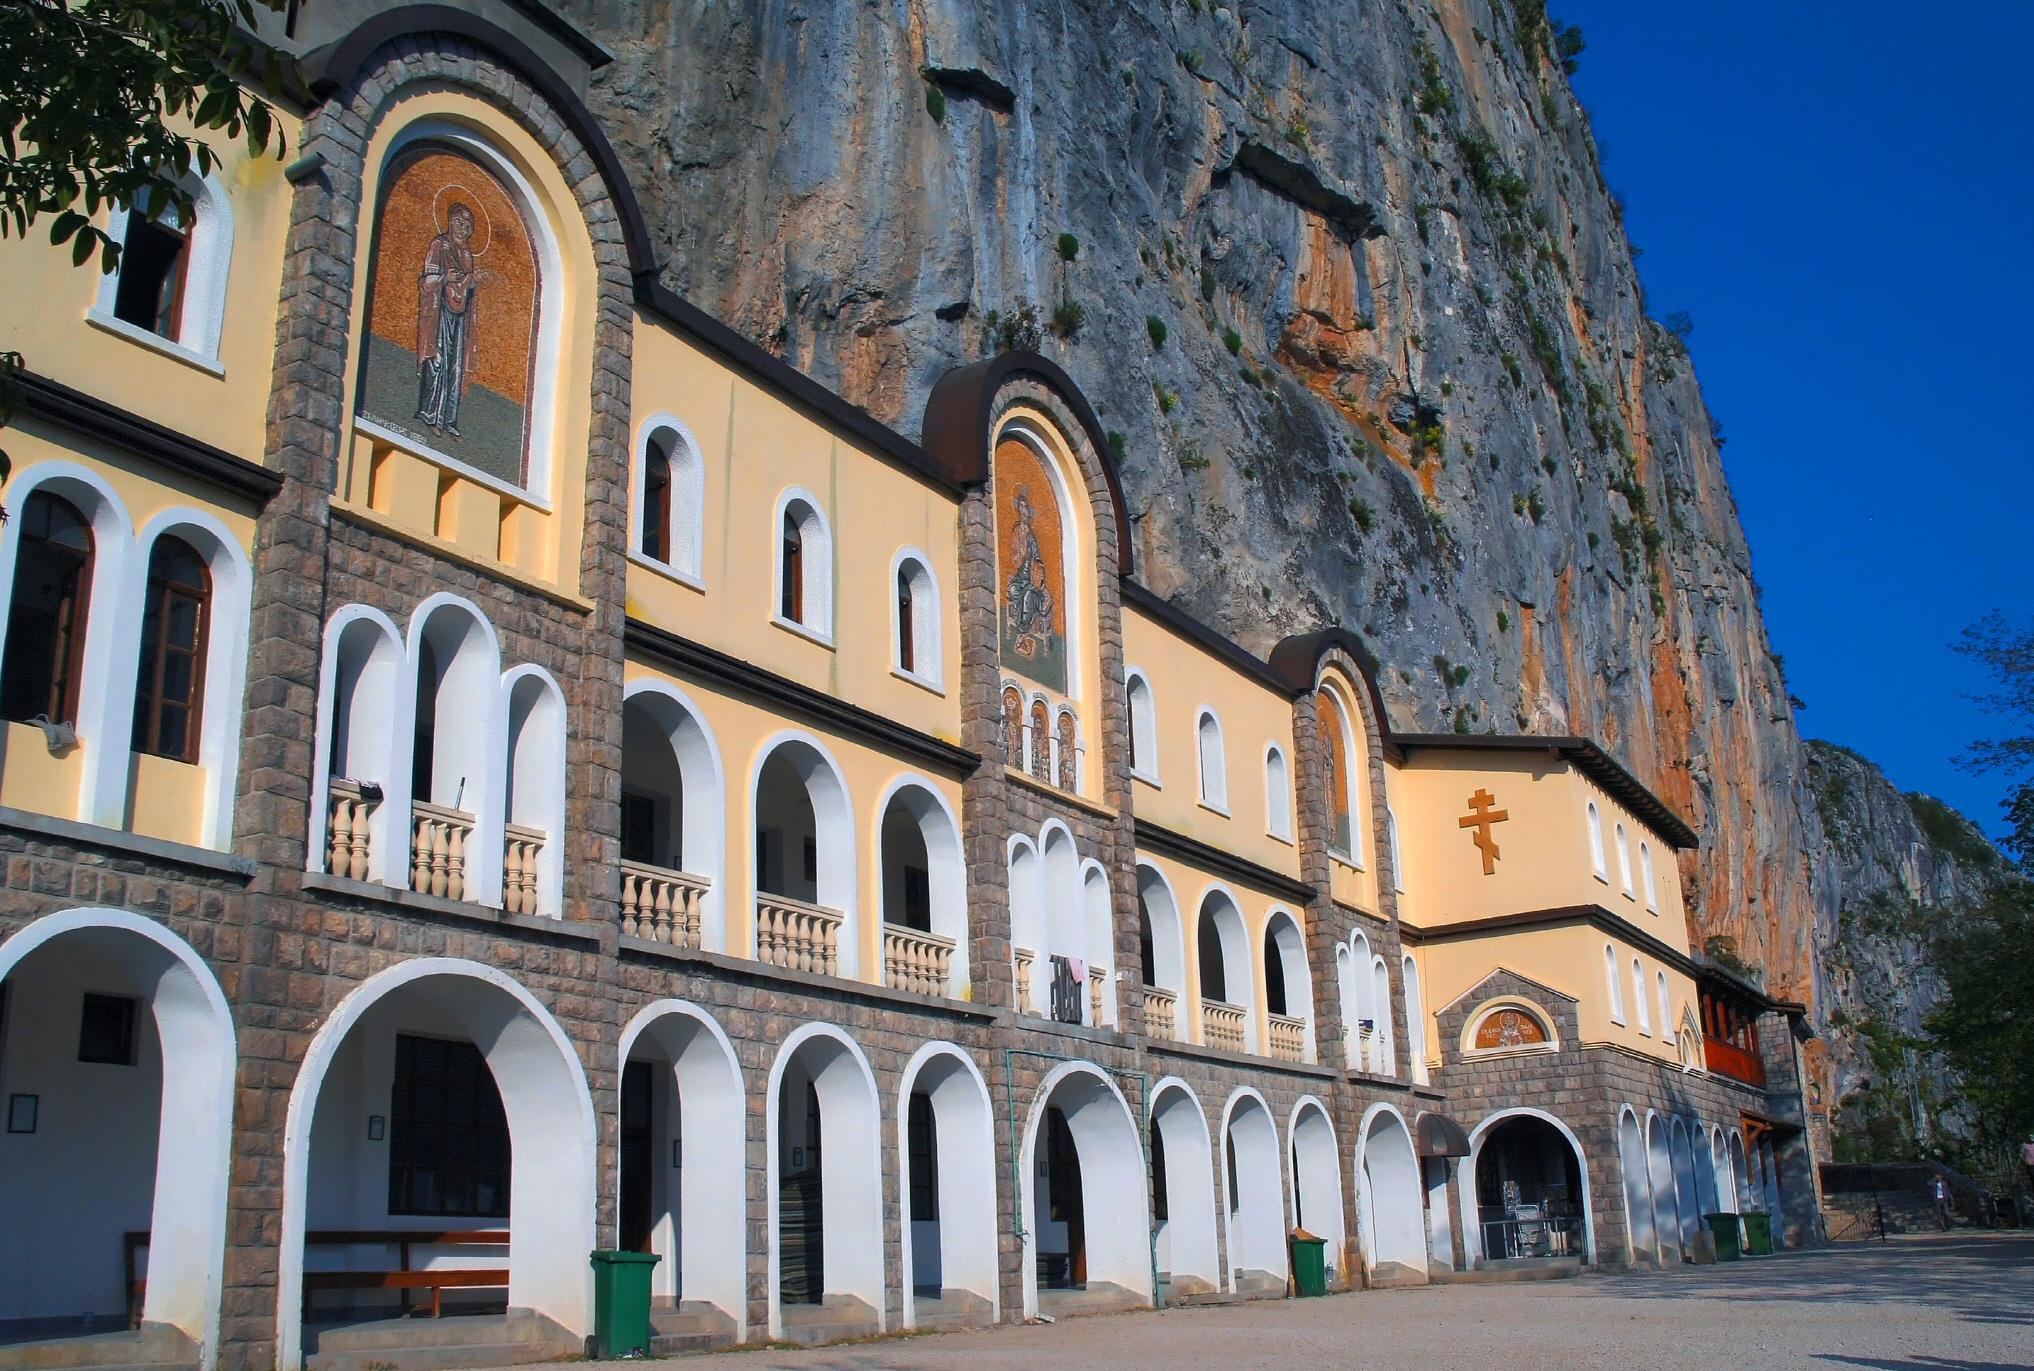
[1288, 1037]
[1023, 957]
[1161, 1013]
[661, 905]
[1098, 979]
[797, 936]
[920, 963]
[1222, 1025]
[347, 841]
[521, 847]
[438, 840]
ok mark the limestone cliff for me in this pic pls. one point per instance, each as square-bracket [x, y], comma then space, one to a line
[1352, 291]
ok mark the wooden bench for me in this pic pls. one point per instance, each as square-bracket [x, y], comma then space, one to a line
[403, 1278]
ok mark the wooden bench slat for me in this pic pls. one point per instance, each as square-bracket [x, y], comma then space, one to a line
[404, 1280]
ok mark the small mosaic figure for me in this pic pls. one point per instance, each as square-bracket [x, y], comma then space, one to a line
[448, 305]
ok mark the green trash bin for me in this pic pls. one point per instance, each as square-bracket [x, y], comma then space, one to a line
[621, 1303]
[1723, 1227]
[1309, 1263]
[1758, 1234]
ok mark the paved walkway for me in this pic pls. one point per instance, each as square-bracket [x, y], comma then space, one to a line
[1937, 1303]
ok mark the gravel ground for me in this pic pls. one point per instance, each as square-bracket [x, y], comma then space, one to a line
[1940, 1303]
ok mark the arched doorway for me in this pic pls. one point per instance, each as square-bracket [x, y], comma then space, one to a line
[1253, 1182]
[825, 1190]
[118, 1031]
[924, 888]
[1317, 1181]
[1288, 989]
[1686, 1197]
[1163, 959]
[1531, 1195]
[1660, 1181]
[804, 861]
[439, 1093]
[1083, 1197]
[681, 1174]
[946, 1150]
[1389, 1207]
[1183, 1192]
[1641, 1242]
[674, 822]
[1226, 975]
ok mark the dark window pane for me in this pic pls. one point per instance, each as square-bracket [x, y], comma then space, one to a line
[448, 1136]
[106, 1030]
[46, 621]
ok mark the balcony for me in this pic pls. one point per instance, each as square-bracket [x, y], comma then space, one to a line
[1288, 1037]
[1022, 957]
[917, 963]
[660, 904]
[1728, 1059]
[522, 847]
[438, 841]
[347, 839]
[1161, 1013]
[797, 936]
[1222, 1025]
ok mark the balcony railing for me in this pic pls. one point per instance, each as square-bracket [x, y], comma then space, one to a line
[1098, 979]
[920, 963]
[1222, 1025]
[1288, 1037]
[347, 842]
[521, 847]
[438, 842]
[1022, 957]
[1532, 1234]
[660, 904]
[1728, 1059]
[797, 936]
[1161, 1013]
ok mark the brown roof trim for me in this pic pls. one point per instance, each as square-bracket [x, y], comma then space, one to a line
[1588, 757]
[1139, 596]
[700, 662]
[956, 428]
[1297, 662]
[1594, 914]
[58, 404]
[1173, 843]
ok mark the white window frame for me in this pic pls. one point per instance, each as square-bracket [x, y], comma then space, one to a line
[1598, 865]
[1277, 793]
[1614, 974]
[1646, 875]
[207, 263]
[1638, 994]
[686, 534]
[928, 639]
[1666, 1002]
[815, 562]
[1143, 727]
[1624, 862]
[1215, 797]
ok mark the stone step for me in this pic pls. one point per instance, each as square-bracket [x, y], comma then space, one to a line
[1099, 1297]
[694, 1326]
[1259, 1285]
[841, 1316]
[424, 1344]
[950, 1311]
[441, 1357]
[153, 1345]
[1396, 1276]
[1502, 1272]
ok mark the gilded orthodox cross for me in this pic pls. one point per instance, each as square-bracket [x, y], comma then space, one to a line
[1480, 817]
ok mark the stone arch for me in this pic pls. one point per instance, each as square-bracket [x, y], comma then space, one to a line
[1251, 1187]
[1115, 1207]
[698, 1108]
[70, 1200]
[1527, 1023]
[1687, 1200]
[912, 818]
[809, 771]
[1185, 1243]
[544, 1096]
[850, 1169]
[1660, 1181]
[664, 732]
[962, 1238]
[1317, 1178]
[455, 675]
[1641, 1238]
[364, 713]
[1389, 1209]
[1475, 1204]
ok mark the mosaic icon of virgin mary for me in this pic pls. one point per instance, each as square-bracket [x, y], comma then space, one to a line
[1028, 597]
[448, 323]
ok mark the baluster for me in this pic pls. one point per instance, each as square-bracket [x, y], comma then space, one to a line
[359, 839]
[455, 861]
[660, 910]
[420, 857]
[630, 924]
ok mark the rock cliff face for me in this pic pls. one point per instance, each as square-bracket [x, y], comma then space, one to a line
[1404, 382]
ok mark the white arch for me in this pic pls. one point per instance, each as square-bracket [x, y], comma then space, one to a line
[1098, 910]
[1356, 748]
[1168, 934]
[1213, 757]
[1143, 711]
[535, 794]
[1185, 1244]
[1623, 860]
[1614, 980]
[1686, 1202]
[1385, 1057]
[186, 1269]
[946, 866]
[704, 804]
[965, 1143]
[469, 767]
[1641, 1238]
[1369, 1052]
[1594, 818]
[365, 713]
[1652, 887]
[708, 1259]
[1743, 1196]
[1252, 1187]
[685, 535]
[1466, 1183]
[1027, 913]
[207, 261]
[1390, 1214]
[1282, 929]
[1415, 1020]
[1277, 793]
[928, 620]
[1660, 1180]
[815, 562]
[1345, 985]
[551, 1123]
[1316, 1192]
[851, 1168]
[833, 821]
[1113, 1181]
[1219, 905]
[112, 629]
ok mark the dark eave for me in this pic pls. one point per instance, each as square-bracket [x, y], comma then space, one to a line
[1587, 757]
[57, 404]
[1592, 914]
[1176, 844]
[1140, 597]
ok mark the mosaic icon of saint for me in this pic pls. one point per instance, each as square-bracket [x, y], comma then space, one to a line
[448, 306]
[1028, 597]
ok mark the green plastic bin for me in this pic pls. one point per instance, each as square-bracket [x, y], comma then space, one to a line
[1723, 1227]
[1758, 1234]
[1309, 1263]
[621, 1303]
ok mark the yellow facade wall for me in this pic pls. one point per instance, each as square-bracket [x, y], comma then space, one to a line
[1184, 678]
[1191, 885]
[756, 446]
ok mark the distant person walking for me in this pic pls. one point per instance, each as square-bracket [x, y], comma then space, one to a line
[1942, 1202]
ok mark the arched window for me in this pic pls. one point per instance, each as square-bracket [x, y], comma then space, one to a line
[1214, 762]
[1013, 726]
[1613, 982]
[653, 538]
[1277, 794]
[917, 627]
[1638, 995]
[1646, 874]
[1666, 1002]
[148, 289]
[1623, 861]
[1345, 838]
[45, 648]
[804, 568]
[671, 499]
[1143, 726]
[1067, 737]
[171, 283]
[1041, 741]
[1596, 843]
[169, 687]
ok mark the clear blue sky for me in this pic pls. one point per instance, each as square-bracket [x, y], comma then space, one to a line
[1843, 199]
